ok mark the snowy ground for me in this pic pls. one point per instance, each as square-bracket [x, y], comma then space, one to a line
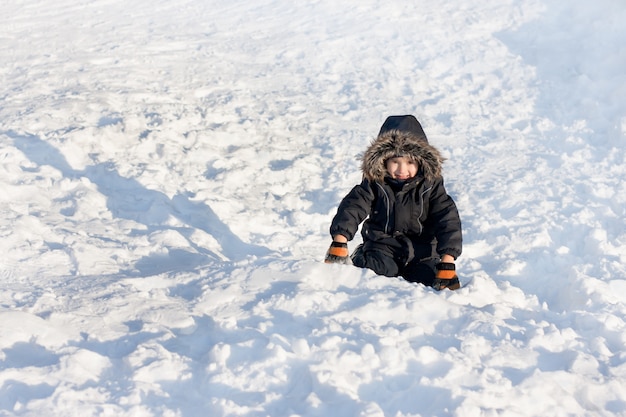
[169, 170]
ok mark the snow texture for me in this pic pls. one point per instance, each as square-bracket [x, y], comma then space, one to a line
[169, 171]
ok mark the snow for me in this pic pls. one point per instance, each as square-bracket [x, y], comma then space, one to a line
[169, 170]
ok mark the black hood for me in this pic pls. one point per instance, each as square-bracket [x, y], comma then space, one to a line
[406, 123]
[401, 136]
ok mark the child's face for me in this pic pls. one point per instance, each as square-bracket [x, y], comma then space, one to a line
[401, 168]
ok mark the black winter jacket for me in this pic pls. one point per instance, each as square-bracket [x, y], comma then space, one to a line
[421, 210]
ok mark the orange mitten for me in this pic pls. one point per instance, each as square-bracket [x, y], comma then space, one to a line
[337, 253]
[446, 277]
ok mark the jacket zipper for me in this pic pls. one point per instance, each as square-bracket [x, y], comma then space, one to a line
[422, 207]
[388, 201]
[388, 204]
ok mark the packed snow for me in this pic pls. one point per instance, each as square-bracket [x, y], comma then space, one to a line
[169, 171]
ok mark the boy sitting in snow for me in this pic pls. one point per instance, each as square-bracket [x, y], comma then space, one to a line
[412, 226]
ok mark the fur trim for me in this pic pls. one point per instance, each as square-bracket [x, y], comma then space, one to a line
[395, 142]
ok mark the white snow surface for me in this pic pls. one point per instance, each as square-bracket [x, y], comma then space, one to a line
[169, 171]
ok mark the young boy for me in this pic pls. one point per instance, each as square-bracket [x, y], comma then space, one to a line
[412, 226]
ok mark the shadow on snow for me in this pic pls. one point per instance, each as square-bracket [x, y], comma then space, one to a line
[126, 198]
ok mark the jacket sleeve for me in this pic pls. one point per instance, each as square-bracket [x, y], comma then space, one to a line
[353, 210]
[446, 222]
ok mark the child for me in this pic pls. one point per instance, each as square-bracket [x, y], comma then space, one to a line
[412, 226]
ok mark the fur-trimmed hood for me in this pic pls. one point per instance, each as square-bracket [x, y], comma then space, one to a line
[401, 136]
